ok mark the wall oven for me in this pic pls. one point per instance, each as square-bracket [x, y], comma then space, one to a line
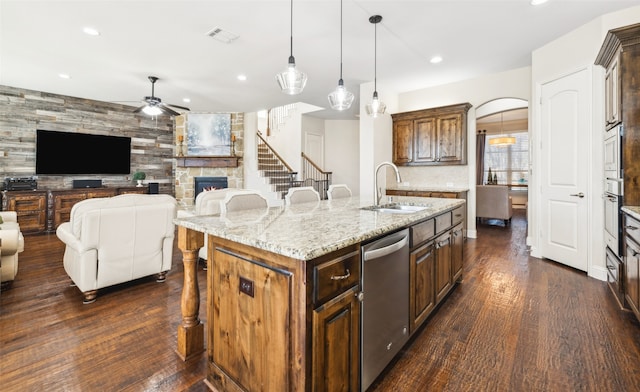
[614, 190]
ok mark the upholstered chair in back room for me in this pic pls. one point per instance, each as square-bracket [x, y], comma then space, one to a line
[118, 239]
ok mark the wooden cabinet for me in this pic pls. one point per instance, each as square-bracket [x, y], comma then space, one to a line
[61, 201]
[336, 343]
[30, 207]
[434, 136]
[620, 56]
[443, 281]
[281, 324]
[422, 299]
[612, 92]
[436, 263]
[457, 256]
[632, 263]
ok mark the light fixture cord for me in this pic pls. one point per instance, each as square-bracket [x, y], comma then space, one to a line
[340, 39]
[291, 27]
[375, 57]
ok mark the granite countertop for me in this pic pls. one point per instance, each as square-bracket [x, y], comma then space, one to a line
[429, 188]
[634, 211]
[309, 230]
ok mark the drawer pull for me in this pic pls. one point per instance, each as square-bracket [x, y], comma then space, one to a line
[341, 277]
[629, 227]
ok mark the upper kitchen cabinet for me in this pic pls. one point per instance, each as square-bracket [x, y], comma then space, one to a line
[435, 136]
[620, 56]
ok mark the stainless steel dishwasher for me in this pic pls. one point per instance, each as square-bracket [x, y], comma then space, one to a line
[385, 304]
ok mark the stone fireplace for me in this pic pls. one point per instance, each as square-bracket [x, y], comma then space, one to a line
[186, 187]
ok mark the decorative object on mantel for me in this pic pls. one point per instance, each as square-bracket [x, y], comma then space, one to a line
[233, 145]
[208, 134]
[138, 177]
[180, 146]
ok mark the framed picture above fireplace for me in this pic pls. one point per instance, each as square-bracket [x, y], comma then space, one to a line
[208, 134]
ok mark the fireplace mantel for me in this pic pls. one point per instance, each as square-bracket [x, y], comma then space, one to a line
[207, 161]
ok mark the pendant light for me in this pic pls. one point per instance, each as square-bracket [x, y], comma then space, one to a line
[291, 80]
[341, 98]
[376, 107]
[502, 141]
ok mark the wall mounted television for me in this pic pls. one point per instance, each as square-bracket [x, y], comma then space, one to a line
[67, 153]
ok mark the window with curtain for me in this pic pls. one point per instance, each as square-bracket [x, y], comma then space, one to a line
[509, 163]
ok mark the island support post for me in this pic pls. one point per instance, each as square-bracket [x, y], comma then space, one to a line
[191, 330]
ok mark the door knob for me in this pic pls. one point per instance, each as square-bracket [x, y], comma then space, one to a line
[580, 195]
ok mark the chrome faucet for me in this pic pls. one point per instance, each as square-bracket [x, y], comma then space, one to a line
[377, 191]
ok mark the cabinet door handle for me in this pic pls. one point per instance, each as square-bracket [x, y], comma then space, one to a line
[580, 195]
[629, 227]
[341, 277]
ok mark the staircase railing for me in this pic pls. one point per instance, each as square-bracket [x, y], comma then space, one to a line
[278, 116]
[281, 175]
[314, 176]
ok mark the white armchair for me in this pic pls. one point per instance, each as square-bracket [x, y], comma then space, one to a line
[11, 243]
[494, 202]
[118, 239]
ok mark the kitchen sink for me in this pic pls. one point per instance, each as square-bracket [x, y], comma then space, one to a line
[396, 208]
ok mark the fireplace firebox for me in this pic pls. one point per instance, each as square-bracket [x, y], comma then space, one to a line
[202, 183]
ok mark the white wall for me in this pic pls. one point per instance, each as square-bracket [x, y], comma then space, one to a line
[575, 51]
[342, 153]
[511, 84]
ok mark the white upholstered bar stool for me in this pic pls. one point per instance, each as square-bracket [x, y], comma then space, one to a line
[243, 200]
[337, 191]
[303, 194]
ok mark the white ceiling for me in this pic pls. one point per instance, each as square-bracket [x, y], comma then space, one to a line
[41, 39]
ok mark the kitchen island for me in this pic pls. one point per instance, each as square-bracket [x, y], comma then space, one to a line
[284, 288]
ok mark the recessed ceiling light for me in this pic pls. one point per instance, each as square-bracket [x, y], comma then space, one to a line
[187, 100]
[242, 77]
[436, 59]
[538, 2]
[64, 76]
[91, 31]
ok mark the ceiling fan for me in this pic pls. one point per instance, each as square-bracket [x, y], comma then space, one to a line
[154, 106]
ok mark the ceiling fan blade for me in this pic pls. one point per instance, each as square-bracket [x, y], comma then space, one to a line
[167, 110]
[138, 110]
[176, 106]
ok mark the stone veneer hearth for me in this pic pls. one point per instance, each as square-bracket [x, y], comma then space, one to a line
[184, 183]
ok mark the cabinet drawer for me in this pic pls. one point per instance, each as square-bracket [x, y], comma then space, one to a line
[67, 201]
[443, 222]
[422, 232]
[457, 215]
[335, 276]
[632, 227]
[35, 203]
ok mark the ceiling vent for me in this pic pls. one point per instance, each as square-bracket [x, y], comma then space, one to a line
[222, 35]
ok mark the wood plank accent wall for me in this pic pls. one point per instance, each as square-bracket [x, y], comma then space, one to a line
[23, 111]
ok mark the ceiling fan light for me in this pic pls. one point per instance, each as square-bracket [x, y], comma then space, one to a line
[341, 98]
[152, 110]
[291, 80]
[376, 107]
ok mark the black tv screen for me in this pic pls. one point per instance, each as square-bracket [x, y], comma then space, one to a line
[81, 153]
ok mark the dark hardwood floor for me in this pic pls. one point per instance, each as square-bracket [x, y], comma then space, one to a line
[515, 323]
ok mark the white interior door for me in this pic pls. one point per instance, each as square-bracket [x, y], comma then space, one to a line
[314, 148]
[564, 170]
